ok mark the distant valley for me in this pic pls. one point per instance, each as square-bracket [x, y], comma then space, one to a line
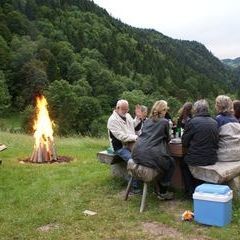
[234, 63]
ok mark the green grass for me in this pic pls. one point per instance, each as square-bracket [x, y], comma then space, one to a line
[33, 195]
[12, 122]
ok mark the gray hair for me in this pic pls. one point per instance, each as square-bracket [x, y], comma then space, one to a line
[144, 109]
[121, 102]
[200, 106]
[224, 104]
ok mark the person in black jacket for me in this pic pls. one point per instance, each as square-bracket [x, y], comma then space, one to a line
[200, 138]
[151, 149]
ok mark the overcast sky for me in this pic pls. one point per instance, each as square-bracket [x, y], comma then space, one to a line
[215, 23]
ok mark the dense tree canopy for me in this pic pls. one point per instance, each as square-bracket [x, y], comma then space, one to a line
[85, 60]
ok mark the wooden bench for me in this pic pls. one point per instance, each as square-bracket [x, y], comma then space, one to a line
[144, 174]
[108, 158]
[220, 173]
[118, 166]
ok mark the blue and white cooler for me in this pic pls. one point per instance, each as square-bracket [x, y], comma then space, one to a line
[213, 204]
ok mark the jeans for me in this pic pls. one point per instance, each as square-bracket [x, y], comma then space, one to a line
[125, 154]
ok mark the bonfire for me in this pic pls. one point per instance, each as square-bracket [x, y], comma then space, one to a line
[44, 149]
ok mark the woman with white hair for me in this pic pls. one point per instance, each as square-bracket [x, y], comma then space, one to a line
[151, 149]
[229, 130]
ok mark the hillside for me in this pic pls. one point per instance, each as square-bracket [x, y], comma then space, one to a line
[84, 60]
[232, 62]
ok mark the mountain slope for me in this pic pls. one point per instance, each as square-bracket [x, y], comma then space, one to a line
[75, 52]
[232, 62]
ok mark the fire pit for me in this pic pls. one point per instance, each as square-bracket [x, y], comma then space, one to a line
[44, 148]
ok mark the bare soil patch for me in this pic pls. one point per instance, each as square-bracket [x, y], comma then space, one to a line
[60, 159]
[161, 231]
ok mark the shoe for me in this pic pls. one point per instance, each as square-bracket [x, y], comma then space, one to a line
[136, 184]
[135, 191]
[165, 196]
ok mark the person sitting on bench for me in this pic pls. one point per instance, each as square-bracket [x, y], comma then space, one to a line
[200, 138]
[229, 130]
[121, 130]
[151, 149]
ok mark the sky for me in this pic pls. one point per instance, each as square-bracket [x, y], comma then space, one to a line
[214, 23]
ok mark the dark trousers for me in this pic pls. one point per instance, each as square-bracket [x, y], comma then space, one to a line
[190, 183]
[164, 180]
[167, 174]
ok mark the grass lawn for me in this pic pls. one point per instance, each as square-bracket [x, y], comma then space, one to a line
[47, 201]
[12, 122]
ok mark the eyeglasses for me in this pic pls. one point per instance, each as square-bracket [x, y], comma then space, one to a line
[124, 109]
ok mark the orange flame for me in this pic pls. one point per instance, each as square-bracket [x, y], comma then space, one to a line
[42, 125]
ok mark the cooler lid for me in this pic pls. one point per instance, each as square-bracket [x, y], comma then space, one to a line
[213, 189]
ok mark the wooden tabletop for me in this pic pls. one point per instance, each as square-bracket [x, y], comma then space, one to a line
[176, 149]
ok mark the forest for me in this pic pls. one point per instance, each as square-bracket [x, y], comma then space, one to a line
[83, 60]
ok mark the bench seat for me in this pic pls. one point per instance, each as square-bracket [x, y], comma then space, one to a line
[108, 158]
[220, 172]
[118, 166]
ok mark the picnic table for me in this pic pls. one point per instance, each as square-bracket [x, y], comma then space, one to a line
[176, 151]
[118, 167]
[219, 173]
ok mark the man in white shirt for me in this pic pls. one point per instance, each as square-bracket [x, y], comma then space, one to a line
[121, 129]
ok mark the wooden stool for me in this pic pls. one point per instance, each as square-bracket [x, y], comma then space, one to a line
[142, 173]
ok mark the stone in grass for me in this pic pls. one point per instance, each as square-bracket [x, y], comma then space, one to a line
[48, 227]
[2, 147]
[89, 213]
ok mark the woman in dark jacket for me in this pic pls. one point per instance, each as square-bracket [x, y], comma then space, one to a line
[151, 149]
[200, 138]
